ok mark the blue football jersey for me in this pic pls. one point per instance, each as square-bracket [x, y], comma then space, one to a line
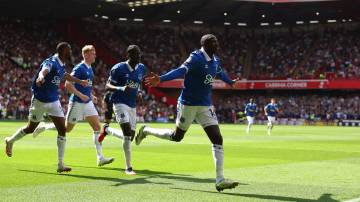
[200, 75]
[250, 109]
[271, 109]
[122, 74]
[83, 72]
[49, 90]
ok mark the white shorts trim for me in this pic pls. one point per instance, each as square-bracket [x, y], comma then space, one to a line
[125, 114]
[78, 111]
[38, 109]
[204, 115]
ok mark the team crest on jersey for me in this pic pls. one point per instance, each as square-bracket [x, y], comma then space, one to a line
[206, 66]
[139, 76]
[122, 115]
[182, 119]
[126, 75]
[209, 80]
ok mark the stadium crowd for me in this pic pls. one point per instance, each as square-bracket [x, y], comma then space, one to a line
[24, 44]
[309, 54]
[159, 45]
[337, 52]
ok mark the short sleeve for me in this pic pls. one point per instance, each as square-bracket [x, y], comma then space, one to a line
[112, 77]
[76, 72]
[190, 62]
[47, 65]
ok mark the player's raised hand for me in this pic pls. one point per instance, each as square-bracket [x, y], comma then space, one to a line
[84, 83]
[152, 80]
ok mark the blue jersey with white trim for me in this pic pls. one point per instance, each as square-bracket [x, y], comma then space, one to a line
[199, 78]
[271, 109]
[250, 109]
[49, 90]
[83, 72]
[122, 74]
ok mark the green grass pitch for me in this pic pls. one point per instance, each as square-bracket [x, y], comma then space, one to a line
[296, 163]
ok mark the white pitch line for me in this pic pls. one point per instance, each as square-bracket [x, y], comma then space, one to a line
[353, 200]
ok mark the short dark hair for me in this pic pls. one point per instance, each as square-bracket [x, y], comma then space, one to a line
[132, 47]
[61, 46]
[206, 38]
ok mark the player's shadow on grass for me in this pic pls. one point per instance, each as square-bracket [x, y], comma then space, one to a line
[323, 198]
[157, 174]
[145, 177]
[119, 181]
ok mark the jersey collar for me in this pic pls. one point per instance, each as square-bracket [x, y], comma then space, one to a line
[58, 59]
[129, 67]
[206, 55]
[88, 66]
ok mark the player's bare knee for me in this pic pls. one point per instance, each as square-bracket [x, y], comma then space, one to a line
[61, 131]
[28, 130]
[97, 127]
[218, 140]
[132, 135]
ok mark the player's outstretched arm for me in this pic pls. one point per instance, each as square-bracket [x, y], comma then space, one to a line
[71, 88]
[224, 77]
[112, 87]
[265, 111]
[154, 79]
[70, 78]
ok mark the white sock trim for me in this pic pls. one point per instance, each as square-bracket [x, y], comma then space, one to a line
[61, 142]
[115, 132]
[127, 151]
[159, 133]
[98, 146]
[218, 155]
[17, 135]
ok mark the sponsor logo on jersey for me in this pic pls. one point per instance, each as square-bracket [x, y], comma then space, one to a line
[209, 80]
[56, 80]
[90, 82]
[132, 84]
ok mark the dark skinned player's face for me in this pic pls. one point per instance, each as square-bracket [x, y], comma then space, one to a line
[134, 55]
[67, 54]
[211, 46]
